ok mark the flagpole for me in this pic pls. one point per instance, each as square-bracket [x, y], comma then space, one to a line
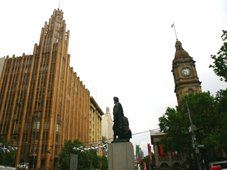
[59, 4]
[173, 25]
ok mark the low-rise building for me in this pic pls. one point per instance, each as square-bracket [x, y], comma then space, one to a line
[165, 160]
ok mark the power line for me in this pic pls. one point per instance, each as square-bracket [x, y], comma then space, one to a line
[93, 144]
[138, 133]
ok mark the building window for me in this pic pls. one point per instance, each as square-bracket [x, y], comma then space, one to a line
[36, 125]
[46, 125]
[57, 128]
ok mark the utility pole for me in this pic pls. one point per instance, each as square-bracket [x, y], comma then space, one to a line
[192, 129]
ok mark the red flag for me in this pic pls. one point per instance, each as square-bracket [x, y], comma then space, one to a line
[174, 153]
[149, 153]
[139, 159]
[145, 166]
[161, 150]
[216, 167]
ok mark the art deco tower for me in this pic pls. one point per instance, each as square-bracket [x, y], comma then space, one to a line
[42, 100]
[184, 73]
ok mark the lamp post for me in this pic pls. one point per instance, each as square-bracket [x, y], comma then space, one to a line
[192, 129]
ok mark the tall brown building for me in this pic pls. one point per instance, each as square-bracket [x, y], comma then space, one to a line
[42, 100]
[95, 125]
[184, 73]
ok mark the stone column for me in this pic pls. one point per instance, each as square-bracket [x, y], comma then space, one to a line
[120, 156]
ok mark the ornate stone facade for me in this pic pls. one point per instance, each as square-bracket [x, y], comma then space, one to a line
[184, 73]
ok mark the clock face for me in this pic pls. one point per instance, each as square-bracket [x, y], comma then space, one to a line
[185, 71]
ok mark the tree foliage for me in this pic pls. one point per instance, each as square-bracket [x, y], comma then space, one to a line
[86, 159]
[208, 114]
[220, 60]
[148, 165]
[221, 99]
[7, 154]
[175, 124]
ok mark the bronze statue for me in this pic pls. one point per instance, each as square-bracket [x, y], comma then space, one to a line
[121, 130]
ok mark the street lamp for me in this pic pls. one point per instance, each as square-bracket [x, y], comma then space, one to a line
[192, 129]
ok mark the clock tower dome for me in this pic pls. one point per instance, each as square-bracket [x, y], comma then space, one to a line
[184, 72]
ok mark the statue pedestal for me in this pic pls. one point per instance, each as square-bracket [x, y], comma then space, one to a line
[120, 156]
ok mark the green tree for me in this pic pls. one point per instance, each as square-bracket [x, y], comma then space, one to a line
[205, 115]
[87, 159]
[220, 60]
[7, 153]
[220, 68]
[221, 99]
[103, 162]
[207, 112]
[146, 160]
[175, 124]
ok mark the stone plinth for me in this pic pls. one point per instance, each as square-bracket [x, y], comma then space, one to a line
[120, 156]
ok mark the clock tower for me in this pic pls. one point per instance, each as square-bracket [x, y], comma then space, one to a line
[184, 72]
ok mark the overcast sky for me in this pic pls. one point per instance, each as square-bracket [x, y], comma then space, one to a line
[124, 48]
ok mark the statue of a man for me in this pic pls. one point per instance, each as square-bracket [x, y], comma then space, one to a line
[121, 125]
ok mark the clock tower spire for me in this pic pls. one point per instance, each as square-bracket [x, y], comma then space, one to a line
[184, 72]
